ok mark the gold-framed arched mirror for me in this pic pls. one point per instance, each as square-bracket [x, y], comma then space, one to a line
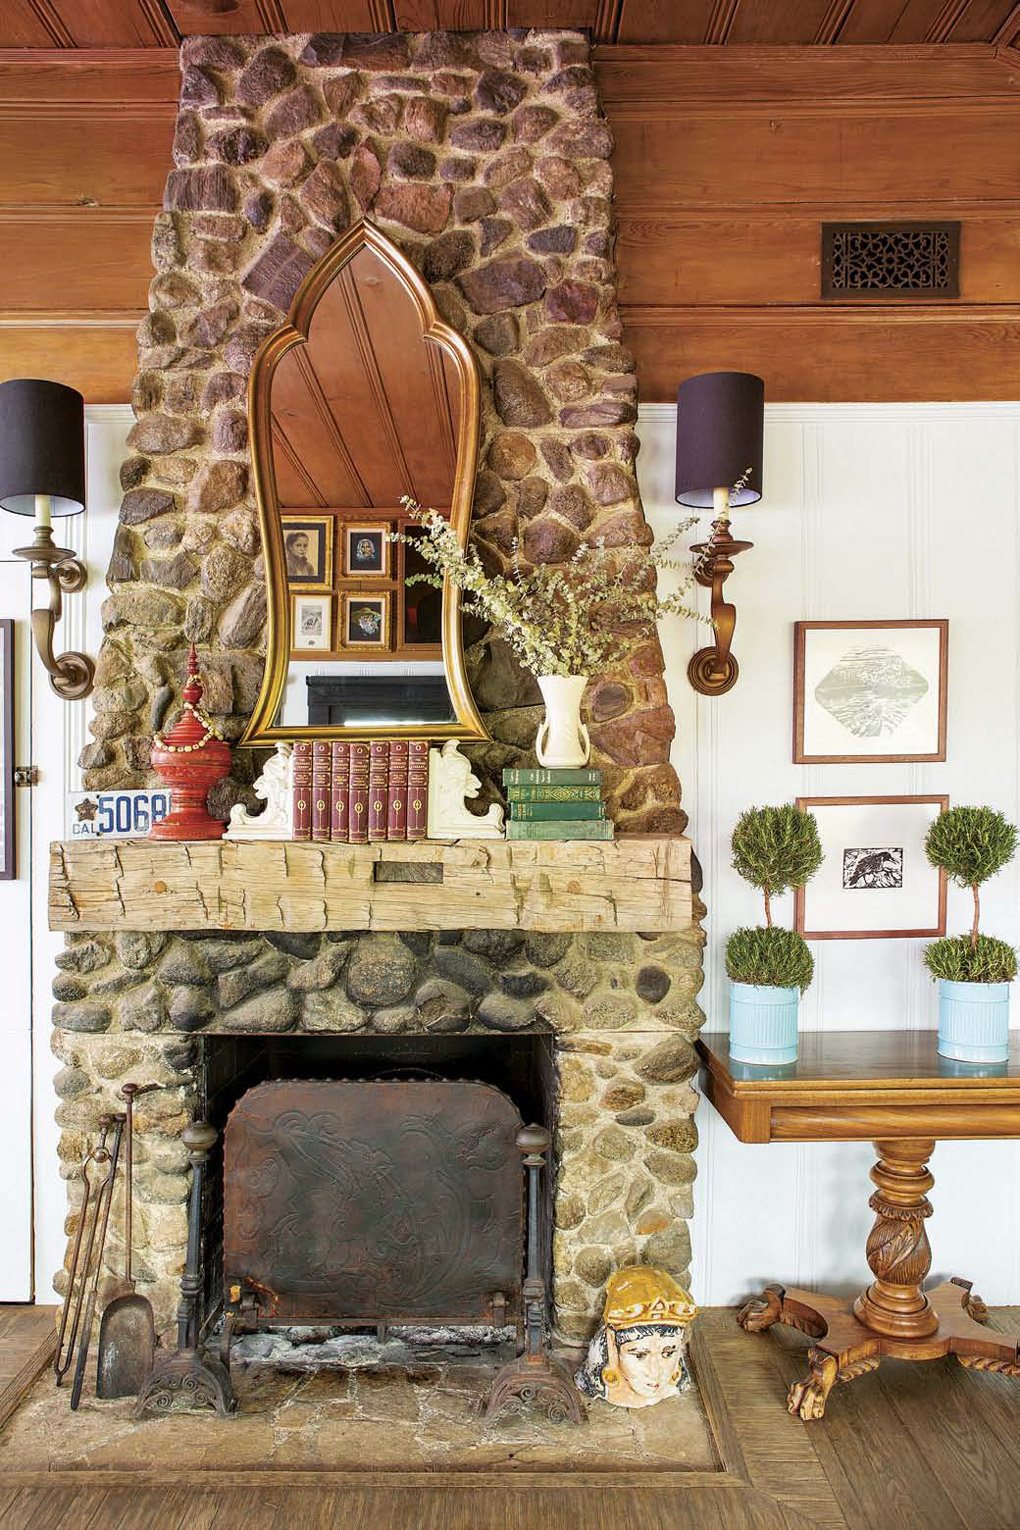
[365, 395]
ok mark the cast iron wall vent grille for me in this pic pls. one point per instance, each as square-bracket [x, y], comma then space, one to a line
[883, 262]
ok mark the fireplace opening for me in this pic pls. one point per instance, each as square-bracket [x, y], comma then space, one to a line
[311, 1112]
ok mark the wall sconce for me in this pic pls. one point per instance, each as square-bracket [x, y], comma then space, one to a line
[720, 421]
[42, 474]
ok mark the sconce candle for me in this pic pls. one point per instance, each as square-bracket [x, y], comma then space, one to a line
[720, 424]
[42, 474]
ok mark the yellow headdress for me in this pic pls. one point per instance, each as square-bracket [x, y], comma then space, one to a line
[641, 1294]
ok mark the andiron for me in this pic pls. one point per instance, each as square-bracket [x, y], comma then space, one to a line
[188, 1377]
[535, 1376]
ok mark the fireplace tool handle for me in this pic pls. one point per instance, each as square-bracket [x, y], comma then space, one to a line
[80, 1262]
[536, 1376]
[103, 1203]
[187, 1377]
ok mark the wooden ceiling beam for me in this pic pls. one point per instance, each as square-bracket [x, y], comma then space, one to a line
[606, 27]
[832, 23]
[946, 21]
[1009, 31]
[161, 23]
[49, 17]
[721, 21]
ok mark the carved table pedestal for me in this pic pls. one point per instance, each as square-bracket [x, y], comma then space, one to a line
[892, 1088]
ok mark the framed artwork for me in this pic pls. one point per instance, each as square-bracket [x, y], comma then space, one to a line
[311, 627]
[875, 882]
[367, 550]
[869, 692]
[365, 621]
[308, 549]
[8, 868]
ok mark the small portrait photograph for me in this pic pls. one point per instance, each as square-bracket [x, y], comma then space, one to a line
[367, 551]
[311, 628]
[308, 551]
[366, 621]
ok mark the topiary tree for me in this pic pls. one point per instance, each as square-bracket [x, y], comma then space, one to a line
[769, 958]
[970, 844]
[775, 849]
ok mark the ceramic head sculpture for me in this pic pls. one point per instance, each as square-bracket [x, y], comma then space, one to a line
[638, 1354]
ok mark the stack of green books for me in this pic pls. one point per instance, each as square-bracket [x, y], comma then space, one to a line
[556, 804]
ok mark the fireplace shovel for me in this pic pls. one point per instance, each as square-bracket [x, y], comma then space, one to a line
[127, 1334]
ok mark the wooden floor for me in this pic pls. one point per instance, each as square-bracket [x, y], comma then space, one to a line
[28, 1340]
[925, 1447]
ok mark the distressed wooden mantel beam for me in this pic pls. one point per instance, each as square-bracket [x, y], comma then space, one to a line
[638, 883]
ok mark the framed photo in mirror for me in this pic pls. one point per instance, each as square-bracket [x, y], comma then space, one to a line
[311, 626]
[365, 621]
[367, 550]
[308, 549]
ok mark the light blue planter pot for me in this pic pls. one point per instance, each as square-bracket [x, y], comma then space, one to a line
[974, 1021]
[763, 1024]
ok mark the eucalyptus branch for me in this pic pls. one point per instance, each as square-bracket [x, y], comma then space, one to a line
[558, 619]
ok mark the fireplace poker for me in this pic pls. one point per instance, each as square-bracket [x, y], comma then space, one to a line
[127, 1333]
[78, 1272]
[105, 1200]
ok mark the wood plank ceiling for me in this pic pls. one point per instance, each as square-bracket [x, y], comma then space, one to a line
[728, 159]
[162, 23]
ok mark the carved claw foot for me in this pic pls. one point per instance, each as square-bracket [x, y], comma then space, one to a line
[761, 1312]
[807, 1399]
[975, 1308]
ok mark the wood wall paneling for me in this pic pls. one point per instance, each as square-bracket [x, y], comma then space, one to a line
[728, 159]
[85, 146]
[727, 162]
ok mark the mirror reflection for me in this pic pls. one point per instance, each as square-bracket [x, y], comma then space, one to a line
[364, 413]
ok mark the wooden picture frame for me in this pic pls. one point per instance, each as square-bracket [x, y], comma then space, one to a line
[358, 566]
[360, 600]
[8, 836]
[879, 861]
[821, 725]
[304, 639]
[317, 532]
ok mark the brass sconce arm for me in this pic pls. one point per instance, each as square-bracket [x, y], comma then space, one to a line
[71, 674]
[714, 670]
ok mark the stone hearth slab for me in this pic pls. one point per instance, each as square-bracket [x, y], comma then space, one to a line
[373, 1418]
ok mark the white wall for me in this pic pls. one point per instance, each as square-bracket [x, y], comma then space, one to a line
[59, 732]
[868, 511]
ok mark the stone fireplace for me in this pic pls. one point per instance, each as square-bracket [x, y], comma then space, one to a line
[485, 157]
[591, 1032]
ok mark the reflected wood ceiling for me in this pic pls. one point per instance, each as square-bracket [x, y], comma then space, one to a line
[366, 411]
[162, 23]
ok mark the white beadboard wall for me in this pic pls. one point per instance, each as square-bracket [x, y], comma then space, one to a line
[868, 511]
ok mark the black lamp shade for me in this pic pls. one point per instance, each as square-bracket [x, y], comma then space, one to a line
[720, 420]
[42, 446]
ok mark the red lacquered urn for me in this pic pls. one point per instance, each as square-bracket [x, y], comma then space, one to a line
[191, 757]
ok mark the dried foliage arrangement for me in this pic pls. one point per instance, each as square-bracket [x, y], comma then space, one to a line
[577, 618]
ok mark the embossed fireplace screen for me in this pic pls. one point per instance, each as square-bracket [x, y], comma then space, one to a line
[372, 1201]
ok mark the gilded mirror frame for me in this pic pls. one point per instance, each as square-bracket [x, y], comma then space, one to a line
[261, 728]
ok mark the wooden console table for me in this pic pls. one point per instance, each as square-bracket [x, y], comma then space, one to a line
[892, 1088]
